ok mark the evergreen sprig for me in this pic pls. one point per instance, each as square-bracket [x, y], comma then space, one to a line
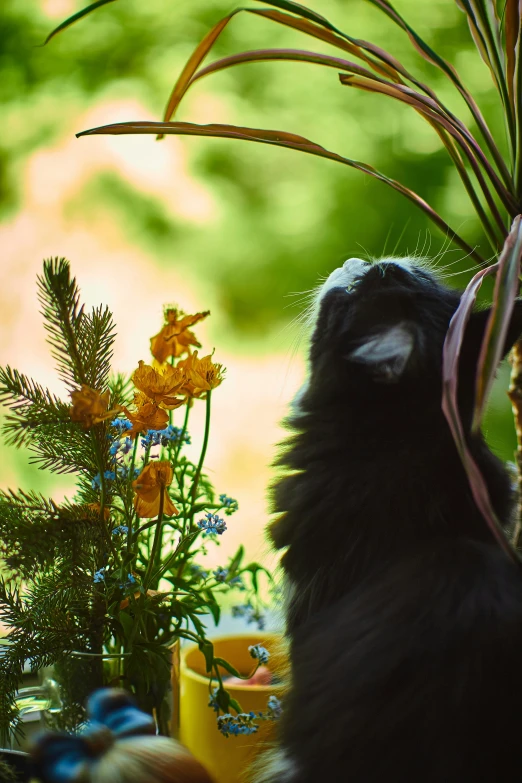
[59, 296]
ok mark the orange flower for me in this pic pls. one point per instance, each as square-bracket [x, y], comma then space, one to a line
[148, 416]
[175, 338]
[160, 386]
[90, 406]
[150, 486]
[202, 374]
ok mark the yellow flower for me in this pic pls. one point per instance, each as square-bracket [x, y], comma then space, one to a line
[202, 374]
[160, 386]
[90, 406]
[148, 416]
[150, 486]
[175, 338]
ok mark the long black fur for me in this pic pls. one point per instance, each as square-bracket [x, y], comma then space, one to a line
[404, 615]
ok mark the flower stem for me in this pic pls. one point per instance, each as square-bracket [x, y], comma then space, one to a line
[156, 544]
[183, 433]
[130, 480]
[197, 476]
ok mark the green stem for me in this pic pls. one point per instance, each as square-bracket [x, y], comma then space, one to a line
[197, 476]
[183, 433]
[130, 480]
[156, 544]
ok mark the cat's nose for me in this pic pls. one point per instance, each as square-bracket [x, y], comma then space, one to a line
[354, 263]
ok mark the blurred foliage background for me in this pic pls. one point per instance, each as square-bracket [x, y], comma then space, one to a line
[212, 223]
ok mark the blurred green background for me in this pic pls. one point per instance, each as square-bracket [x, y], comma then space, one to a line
[228, 225]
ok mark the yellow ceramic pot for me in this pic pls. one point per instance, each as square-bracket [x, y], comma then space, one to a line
[226, 759]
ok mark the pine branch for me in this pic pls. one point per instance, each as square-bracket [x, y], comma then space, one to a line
[30, 405]
[59, 296]
[96, 334]
[122, 390]
[37, 534]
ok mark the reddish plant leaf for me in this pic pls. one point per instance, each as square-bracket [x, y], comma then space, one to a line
[76, 17]
[193, 63]
[429, 54]
[451, 354]
[281, 139]
[469, 145]
[512, 24]
[506, 290]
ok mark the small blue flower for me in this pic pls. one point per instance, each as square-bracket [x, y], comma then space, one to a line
[220, 574]
[109, 475]
[237, 581]
[122, 425]
[212, 524]
[114, 448]
[259, 653]
[96, 482]
[131, 580]
[212, 701]
[275, 708]
[99, 576]
[127, 445]
[240, 724]
[151, 438]
[229, 504]
[120, 530]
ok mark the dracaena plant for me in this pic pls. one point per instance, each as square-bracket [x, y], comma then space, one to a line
[102, 585]
[491, 176]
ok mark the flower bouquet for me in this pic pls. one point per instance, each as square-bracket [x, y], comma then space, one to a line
[103, 585]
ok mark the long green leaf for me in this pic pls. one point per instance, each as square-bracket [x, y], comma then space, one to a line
[450, 366]
[76, 17]
[281, 139]
[506, 289]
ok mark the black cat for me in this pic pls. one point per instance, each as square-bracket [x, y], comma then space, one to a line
[404, 615]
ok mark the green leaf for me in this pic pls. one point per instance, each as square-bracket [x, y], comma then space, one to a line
[223, 699]
[127, 623]
[235, 563]
[76, 17]
[207, 648]
[282, 139]
[229, 668]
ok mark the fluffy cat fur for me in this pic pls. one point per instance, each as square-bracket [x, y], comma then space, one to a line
[404, 615]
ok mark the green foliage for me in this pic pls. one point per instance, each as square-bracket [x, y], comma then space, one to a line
[101, 579]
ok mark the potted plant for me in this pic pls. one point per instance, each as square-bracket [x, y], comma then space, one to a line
[103, 586]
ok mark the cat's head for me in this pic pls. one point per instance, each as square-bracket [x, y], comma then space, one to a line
[380, 330]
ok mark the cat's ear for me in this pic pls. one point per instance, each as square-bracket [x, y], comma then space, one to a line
[386, 353]
[477, 326]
